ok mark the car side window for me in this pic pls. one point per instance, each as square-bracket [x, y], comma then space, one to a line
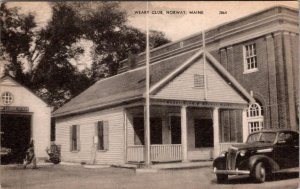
[281, 137]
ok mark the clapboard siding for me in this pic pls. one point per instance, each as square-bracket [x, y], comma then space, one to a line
[115, 152]
[182, 87]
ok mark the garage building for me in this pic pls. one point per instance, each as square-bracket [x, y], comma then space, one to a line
[23, 116]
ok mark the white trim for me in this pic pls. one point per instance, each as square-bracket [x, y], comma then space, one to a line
[251, 48]
[251, 70]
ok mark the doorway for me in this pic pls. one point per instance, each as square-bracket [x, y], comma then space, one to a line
[204, 133]
[15, 135]
[175, 124]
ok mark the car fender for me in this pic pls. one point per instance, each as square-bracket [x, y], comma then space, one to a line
[263, 158]
[220, 163]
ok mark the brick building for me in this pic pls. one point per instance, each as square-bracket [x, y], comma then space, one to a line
[261, 52]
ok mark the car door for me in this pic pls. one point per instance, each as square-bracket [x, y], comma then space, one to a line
[294, 145]
[286, 152]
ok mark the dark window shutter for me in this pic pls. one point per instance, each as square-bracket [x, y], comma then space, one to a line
[71, 138]
[100, 145]
[78, 137]
[105, 135]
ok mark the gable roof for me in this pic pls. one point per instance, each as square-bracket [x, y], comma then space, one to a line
[214, 63]
[120, 88]
[8, 77]
[130, 85]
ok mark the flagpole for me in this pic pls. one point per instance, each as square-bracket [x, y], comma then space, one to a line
[147, 120]
[204, 61]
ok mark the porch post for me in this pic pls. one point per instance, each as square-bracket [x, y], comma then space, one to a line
[216, 132]
[184, 133]
[147, 136]
[245, 125]
[125, 135]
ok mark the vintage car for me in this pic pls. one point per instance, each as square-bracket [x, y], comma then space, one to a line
[264, 153]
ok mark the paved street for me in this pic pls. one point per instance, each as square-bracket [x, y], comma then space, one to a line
[63, 177]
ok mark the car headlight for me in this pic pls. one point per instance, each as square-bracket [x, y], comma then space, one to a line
[243, 152]
[223, 154]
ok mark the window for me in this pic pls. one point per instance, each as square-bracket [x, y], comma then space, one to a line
[74, 133]
[231, 126]
[102, 135]
[255, 118]
[199, 81]
[250, 59]
[7, 98]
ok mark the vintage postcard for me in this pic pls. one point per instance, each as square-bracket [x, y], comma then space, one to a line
[149, 94]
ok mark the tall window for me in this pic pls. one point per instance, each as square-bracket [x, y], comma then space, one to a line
[74, 133]
[255, 117]
[231, 126]
[250, 59]
[102, 135]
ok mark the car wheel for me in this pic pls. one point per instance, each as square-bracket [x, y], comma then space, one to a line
[221, 178]
[260, 172]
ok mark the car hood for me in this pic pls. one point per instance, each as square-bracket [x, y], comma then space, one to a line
[256, 145]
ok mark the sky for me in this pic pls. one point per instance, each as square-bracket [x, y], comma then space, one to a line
[175, 26]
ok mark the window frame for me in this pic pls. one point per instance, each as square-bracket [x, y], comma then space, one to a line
[197, 80]
[7, 98]
[246, 57]
[255, 118]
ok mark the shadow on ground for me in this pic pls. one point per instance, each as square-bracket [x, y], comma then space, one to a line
[249, 180]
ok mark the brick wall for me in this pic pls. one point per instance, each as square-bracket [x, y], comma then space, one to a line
[275, 84]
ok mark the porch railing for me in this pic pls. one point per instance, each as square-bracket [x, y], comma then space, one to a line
[135, 153]
[159, 153]
[166, 152]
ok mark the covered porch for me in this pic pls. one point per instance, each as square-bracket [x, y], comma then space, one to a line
[183, 130]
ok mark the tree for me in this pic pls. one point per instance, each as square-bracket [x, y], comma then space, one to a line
[55, 78]
[16, 38]
[50, 51]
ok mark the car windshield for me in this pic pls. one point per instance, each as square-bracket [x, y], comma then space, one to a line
[266, 137]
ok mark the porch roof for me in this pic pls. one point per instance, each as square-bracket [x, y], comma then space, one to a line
[130, 85]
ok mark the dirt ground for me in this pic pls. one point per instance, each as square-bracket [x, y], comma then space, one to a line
[77, 177]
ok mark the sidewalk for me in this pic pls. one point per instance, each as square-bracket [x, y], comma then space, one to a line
[166, 166]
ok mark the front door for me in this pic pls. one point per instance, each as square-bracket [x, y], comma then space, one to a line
[204, 133]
